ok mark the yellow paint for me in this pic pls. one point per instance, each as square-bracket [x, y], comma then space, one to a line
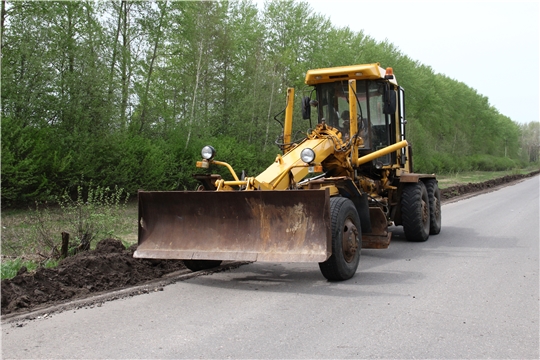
[357, 72]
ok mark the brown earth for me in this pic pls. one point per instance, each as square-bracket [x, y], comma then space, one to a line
[112, 267]
[109, 267]
[473, 188]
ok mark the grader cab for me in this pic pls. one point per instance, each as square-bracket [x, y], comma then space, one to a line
[324, 198]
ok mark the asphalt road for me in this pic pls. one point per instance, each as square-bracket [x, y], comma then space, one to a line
[470, 292]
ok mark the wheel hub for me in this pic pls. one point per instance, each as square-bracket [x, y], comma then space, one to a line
[350, 240]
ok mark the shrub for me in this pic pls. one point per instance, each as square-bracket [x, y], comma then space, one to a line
[92, 213]
[491, 163]
[442, 163]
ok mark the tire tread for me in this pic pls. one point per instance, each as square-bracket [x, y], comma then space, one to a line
[411, 212]
[330, 268]
[433, 192]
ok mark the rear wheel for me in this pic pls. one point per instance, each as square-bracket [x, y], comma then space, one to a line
[346, 241]
[415, 212]
[434, 196]
[197, 265]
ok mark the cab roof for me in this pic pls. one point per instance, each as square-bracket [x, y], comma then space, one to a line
[358, 72]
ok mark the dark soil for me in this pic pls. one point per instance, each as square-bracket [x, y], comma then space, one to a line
[112, 267]
[471, 188]
[109, 267]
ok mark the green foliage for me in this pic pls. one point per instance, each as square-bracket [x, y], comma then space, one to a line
[492, 163]
[530, 142]
[143, 163]
[247, 157]
[440, 163]
[10, 268]
[20, 164]
[91, 214]
[127, 93]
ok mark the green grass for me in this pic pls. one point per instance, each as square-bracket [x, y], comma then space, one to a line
[127, 226]
[448, 180]
[36, 235]
[23, 233]
[9, 268]
[18, 233]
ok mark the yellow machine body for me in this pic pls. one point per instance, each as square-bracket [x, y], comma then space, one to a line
[283, 214]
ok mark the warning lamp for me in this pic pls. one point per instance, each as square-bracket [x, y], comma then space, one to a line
[389, 73]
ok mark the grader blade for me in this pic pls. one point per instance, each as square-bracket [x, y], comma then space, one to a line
[272, 226]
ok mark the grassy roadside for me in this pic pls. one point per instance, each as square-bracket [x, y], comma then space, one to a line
[448, 180]
[27, 235]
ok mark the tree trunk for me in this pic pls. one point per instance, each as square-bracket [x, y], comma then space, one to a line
[115, 50]
[269, 112]
[65, 245]
[197, 76]
[2, 21]
[125, 66]
[150, 70]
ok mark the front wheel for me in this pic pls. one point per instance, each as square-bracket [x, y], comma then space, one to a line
[415, 212]
[346, 241]
[197, 265]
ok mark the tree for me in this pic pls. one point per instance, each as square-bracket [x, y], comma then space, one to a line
[530, 141]
[125, 93]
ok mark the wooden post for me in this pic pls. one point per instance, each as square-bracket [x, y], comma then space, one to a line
[65, 245]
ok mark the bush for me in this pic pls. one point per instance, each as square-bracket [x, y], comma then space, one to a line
[491, 163]
[441, 163]
[22, 163]
[92, 213]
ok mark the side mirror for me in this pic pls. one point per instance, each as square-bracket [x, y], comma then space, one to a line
[306, 108]
[389, 99]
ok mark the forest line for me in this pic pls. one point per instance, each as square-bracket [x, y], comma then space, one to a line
[126, 93]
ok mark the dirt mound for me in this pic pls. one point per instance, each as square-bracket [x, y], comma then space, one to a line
[470, 188]
[112, 267]
[109, 267]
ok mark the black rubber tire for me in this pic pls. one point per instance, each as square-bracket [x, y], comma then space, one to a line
[346, 241]
[197, 265]
[434, 196]
[415, 212]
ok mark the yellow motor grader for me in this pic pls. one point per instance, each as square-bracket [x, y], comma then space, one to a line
[324, 198]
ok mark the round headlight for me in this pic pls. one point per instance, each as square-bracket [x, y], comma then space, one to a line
[208, 152]
[307, 155]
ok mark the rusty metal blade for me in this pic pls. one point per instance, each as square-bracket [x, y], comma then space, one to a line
[274, 226]
[379, 237]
